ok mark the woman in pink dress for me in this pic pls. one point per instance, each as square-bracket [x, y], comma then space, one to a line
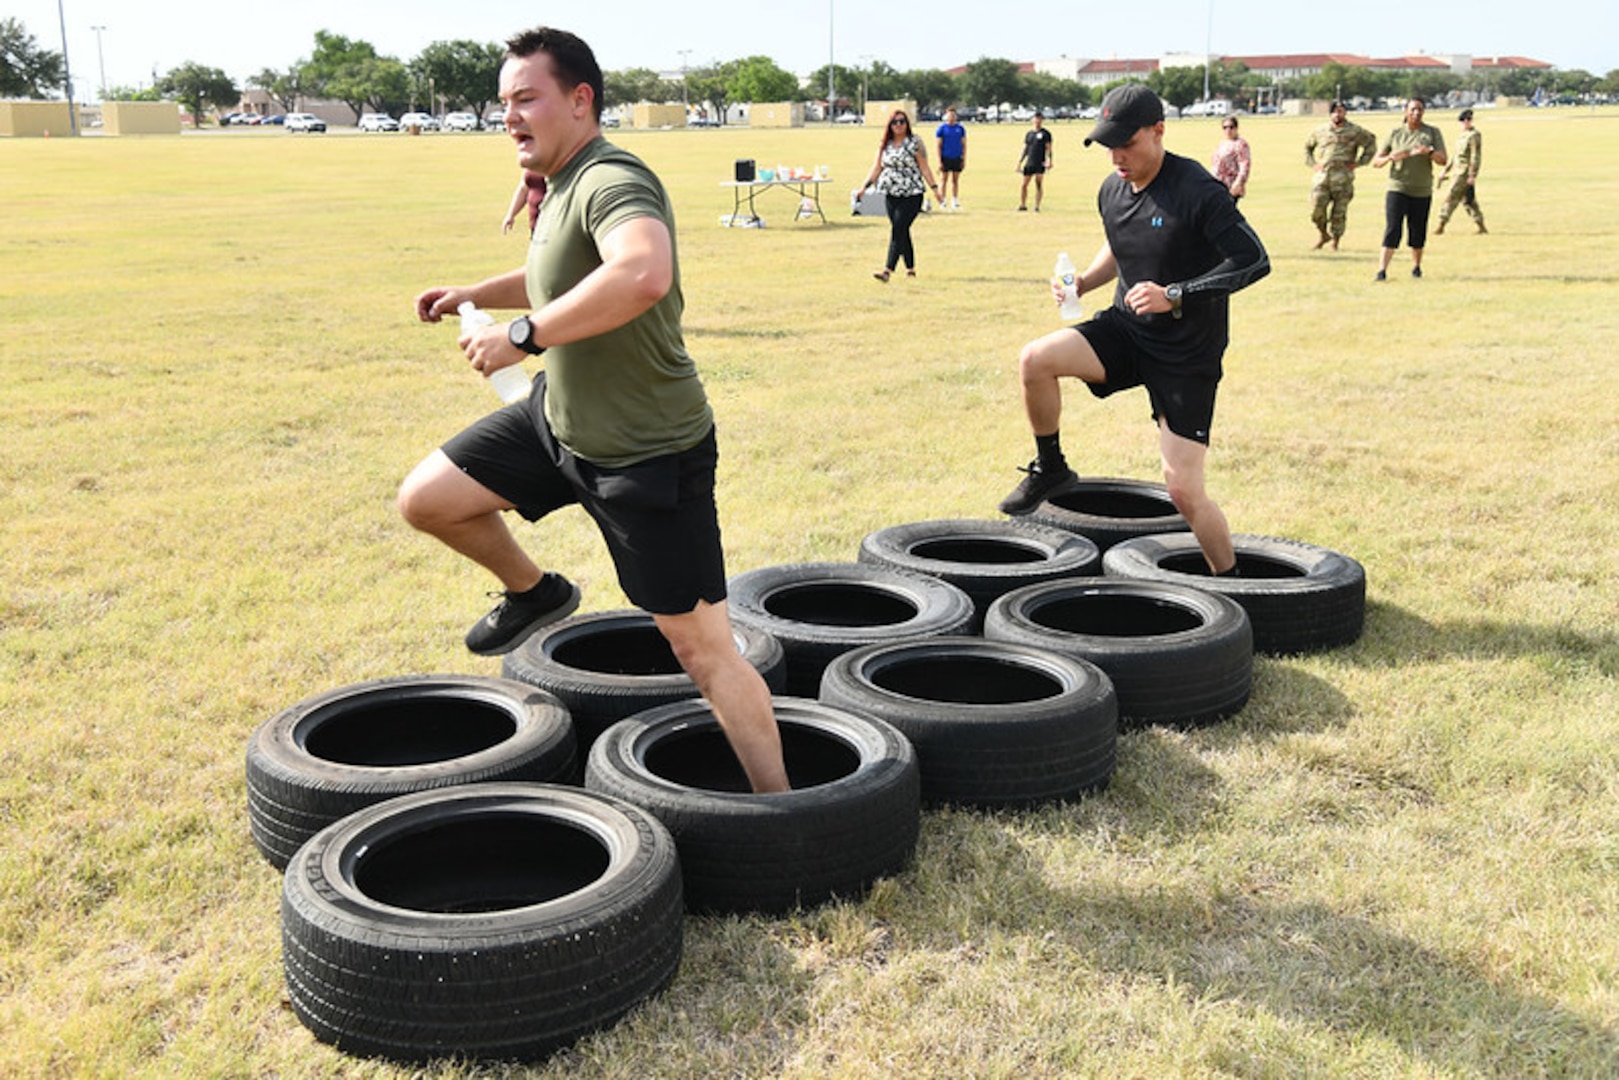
[1231, 160]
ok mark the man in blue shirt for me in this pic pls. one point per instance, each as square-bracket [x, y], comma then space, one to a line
[952, 142]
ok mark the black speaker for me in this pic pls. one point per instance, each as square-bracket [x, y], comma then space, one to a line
[744, 170]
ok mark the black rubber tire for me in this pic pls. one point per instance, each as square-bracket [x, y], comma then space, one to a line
[1299, 597]
[334, 753]
[993, 724]
[985, 559]
[1110, 510]
[819, 610]
[1176, 655]
[607, 665]
[498, 921]
[852, 817]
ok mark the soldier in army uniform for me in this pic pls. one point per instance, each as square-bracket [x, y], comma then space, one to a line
[1335, 150]
[1463, 191]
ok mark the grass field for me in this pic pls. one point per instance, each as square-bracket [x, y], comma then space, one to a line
[1401, 859]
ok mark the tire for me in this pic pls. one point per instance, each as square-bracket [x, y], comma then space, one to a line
[819, 610]
[853, 814]
[607, 665]
[1176, 655]
[498, 921]
[993, 724]
[985, 559]
[1300, 598]
[1110, 511]
[334, 753]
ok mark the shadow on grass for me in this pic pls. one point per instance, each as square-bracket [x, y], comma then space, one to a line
[1327, 979]
[1396, 637]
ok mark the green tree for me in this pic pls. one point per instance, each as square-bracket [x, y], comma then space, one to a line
[881, 82]
[462, 73]
[709, 85]
[845, 83]
[1609, 83]
[352, 72]
[633, 85]
[1431, 85]
[26, 70]
[1044, 91]
[1179, 85]
[933, 90]
[129, 93]
[757, 78]
[283, 87]
[199, 88]
[1576, 81]
[990, 81]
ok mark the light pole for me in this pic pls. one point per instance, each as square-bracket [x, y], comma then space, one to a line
[831, 64]
[67, 75]
[685, 95]
[101, 59]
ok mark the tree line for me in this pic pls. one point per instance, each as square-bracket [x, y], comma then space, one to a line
[452, 75]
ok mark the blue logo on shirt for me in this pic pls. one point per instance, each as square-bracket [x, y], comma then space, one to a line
[1158, 222]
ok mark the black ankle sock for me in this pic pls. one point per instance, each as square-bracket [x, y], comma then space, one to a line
[1049, 449]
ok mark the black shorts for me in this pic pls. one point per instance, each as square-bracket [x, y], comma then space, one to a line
[658, 516]
[1183, 398]
[1036, 168]
[1409, 210]
[952, 164]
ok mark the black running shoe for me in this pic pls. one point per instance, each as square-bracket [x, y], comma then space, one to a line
[518, 615]
[1034, 488]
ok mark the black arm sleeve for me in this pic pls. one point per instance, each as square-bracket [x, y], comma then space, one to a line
[1245, 262]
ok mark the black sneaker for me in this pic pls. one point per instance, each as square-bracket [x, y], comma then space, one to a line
[1416, 271]
[519, 615]
[1034, 488]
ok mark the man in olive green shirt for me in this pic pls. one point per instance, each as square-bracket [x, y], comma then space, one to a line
[1410, 151]
[1465, 190]
[618, 423]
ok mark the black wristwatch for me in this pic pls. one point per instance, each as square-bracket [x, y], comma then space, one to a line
[1173, 294]
[521, 334]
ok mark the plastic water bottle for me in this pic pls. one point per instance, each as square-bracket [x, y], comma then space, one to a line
[1066, 274]
[511, 383]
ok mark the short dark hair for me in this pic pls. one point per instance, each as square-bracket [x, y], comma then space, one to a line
[571, 59]
[1418, 98]
[1336, 105]
[1465, 114]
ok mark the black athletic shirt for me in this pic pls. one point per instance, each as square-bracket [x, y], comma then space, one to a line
[1181, 228]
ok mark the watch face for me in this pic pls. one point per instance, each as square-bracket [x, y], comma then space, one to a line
[521, 333]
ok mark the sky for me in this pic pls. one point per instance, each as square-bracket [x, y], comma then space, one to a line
[156, 35]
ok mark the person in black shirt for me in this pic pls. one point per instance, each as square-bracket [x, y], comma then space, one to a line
[1034, 161]
[1179, 248]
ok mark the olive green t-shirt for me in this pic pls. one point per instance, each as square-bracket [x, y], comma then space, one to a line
[1413, 175]
[632, 393]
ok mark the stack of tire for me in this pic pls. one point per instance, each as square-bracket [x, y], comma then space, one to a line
[450, 890]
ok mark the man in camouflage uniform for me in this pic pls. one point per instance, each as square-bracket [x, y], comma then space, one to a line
[1335, 150]
[1470, 157]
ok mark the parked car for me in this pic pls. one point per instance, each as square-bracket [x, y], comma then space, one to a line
[495, 119]
[460, 121]
[418, 119]
[849, 118]
[277, 119]
[372, 121]
[302, 121]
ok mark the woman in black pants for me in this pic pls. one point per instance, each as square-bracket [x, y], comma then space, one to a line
[901, 173]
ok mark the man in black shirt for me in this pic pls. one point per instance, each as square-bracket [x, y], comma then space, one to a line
[1179, 248]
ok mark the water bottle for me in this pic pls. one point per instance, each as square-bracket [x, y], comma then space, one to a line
[511, 383]
[1066, 274]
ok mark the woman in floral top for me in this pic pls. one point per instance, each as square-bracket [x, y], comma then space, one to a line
[901, 173]
[1231, 160]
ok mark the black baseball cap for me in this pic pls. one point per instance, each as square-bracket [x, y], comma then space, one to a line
[1126, 110]
[1465, 114]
